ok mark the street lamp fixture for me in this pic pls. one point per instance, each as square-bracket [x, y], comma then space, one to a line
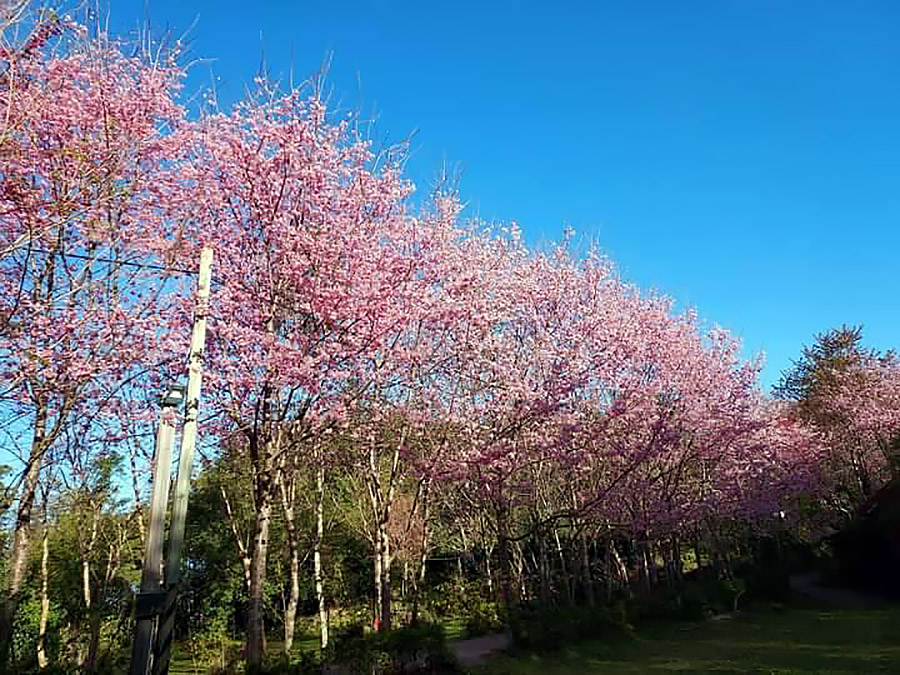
[174, 395]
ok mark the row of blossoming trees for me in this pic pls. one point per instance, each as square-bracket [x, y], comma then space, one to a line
[518, 403]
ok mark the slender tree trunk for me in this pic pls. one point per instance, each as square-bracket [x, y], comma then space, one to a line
[419, 577]
[488, 570]
[238, 539]
[644, 564]
[135, 488]
[256, 620]
[508, 598]
[651, 563]
[518, 558]
[90, 660]
[609, 570]
[619, 570]
[86, 562]
[378, 580]
[386, 578]
[317, 555]
[544, 566]
[404, 580]
[463, 538]
[290, 609]
[568, 582]
[43, 660]
[113, 562]
[95, 621]
[677, 566]
[488, 553]
[18, 559]
[586, 571]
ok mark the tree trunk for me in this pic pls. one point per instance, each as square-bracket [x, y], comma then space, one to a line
[651, 564]
[643, 564]
[586, 571]
[568, 582]
[290, 609]
[618, 569]
[317, 555]
[87, 553]
[95, 622]
[677, 566]
[697, 553]
[488, 570]
[86, 568]
[508, 598]
[419, 575]
[238, 539]
[18, 558]
[386, 577]
[135, 488]
[518, 557]
[43, 660]
[404, 580]
[544, 570]
[377, 569]
[256, 620]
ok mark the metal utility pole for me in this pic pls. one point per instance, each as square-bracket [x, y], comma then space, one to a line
[185, 459]
[151, 575]
[155, 604]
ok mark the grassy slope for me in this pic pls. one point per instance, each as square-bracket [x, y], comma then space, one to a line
[792, 641]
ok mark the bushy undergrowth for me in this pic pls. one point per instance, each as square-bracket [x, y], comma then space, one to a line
[693, 600]
[419, 649]
[465, 601]
[550, 629]
[543, 629]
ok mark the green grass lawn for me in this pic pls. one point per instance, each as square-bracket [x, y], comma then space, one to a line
[790, 641]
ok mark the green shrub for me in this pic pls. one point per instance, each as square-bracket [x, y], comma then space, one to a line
[420, 649]
[304, 663]
[550, 629]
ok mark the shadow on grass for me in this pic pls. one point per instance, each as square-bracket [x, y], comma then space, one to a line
[791, 641]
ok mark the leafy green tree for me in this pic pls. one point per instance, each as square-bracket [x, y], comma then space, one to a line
[816, 385]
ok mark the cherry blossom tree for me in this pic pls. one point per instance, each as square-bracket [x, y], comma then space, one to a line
[323, 269]
[864, 406]
[84, 144]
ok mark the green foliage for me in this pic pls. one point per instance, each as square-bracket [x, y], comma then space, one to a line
[696, 598]
[24, 642]
[550, 629]
[834, 350]
[462, 600]
[766, 576]
[547, 629]
[420, 649]
[304, 663]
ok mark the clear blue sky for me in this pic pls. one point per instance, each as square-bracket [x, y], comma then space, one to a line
[741, 156]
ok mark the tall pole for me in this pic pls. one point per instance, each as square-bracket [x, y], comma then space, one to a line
[188, 444]
[151, 575]
[189, 434]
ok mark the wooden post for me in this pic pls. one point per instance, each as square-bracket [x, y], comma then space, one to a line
[186, 457]
[151, 577]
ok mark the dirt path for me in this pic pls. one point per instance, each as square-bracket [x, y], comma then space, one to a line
[474, 651]
[810, 586]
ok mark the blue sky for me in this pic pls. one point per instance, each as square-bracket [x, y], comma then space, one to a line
[740, 156]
